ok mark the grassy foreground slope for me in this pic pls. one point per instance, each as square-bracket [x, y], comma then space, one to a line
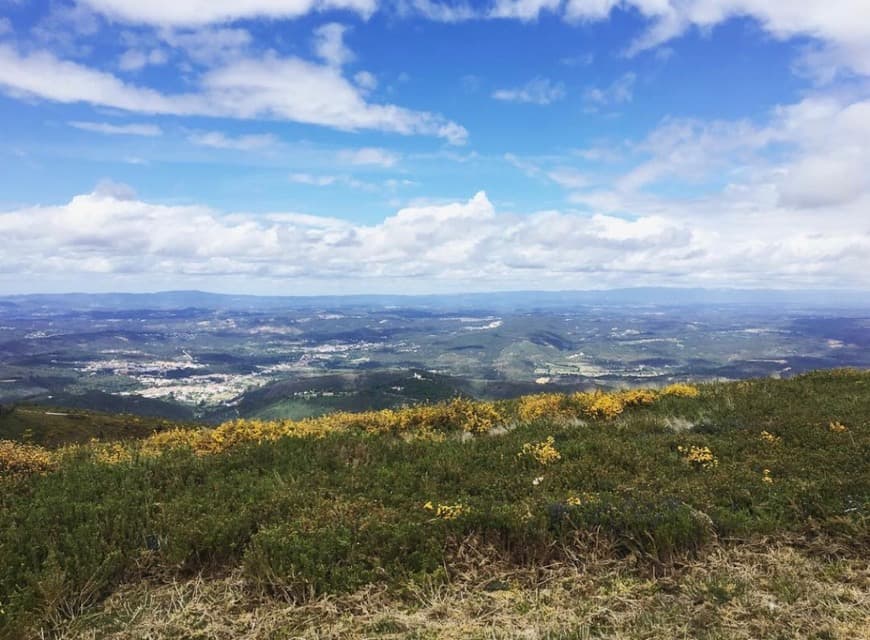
[734, 510]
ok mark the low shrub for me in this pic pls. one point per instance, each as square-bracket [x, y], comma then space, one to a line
[302, 559]
[651, 528]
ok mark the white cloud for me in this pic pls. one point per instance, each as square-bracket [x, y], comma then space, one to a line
[365, 80]
[112, 233]
[136, 59]
[270, 87]
[540, 91]
[43, 75]
[327, 180]
[523, 9]
[66, 27]
[329, 44]
[786, 197]
[202, 12]
[209, 45]
[568, 177]
[5, 26]
[839, 25]
[219, 140]
[369, 156]
[438, 11]
[108, 128]
[293, 89]
[313, 180]
[619, 91]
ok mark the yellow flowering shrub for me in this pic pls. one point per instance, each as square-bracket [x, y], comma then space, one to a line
[458, 414]
[425, 421]
[606, 406]
[766, 477]
[474, 417]
[158, 442]
[837, 427]
[543, 452]
[19, 460]
[770, 438]
[551, 406]
[235, 432]
[681, 390]
[447, 511]
[699, 457]
[638, 397]
[110, 452]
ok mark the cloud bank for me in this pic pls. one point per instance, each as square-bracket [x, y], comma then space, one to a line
[464, 245]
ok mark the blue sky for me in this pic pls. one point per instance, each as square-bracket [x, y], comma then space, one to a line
[296, 146]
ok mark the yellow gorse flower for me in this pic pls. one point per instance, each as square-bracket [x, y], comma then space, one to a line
[681, 390]
[447, 511]
[425, 421]
[111, 452]
[699, 457]
[837, 427]
[18, 460]
[770, 438]
[550, 406]
[544, 452]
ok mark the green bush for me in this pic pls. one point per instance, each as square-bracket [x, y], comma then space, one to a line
[655, 529]
[303, 559]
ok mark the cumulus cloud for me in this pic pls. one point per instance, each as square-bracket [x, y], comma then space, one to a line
[134, 129]
[112, 233]
[788, 196]
[269, 87]
[329, 44]
[201, 12]
[836, 24]
[540, 91]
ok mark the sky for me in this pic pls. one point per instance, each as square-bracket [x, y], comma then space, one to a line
[297, 147]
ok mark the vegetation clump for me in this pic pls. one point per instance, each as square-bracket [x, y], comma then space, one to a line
[681, 390]
[18, 460]
[698, 457]
[325, 506]
[543, 452]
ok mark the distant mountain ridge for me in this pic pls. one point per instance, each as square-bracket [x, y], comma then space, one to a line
[664, 296]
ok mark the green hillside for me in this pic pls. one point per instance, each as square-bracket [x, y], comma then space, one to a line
[55, 426]
[735, 510]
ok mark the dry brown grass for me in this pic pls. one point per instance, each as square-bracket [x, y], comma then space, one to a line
[741, 592]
